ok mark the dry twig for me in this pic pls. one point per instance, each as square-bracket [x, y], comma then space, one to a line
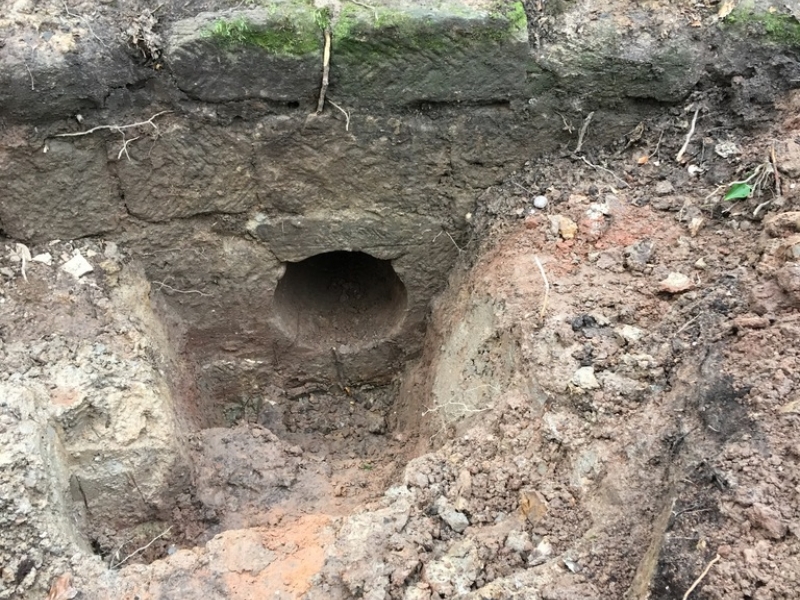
[459, 248]
[143, 548]
[546, 287]
[27, 68]
[775, 174]
[609, 171]
[582, 132]
[702, 575]
[365, 5]
[682, 151]
[161, 285]
[524, 189]
[326, 67]
[85, 22]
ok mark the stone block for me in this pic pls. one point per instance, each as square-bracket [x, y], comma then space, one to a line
[64, 193]
[273, 53]
[407, 53]
[188, 170]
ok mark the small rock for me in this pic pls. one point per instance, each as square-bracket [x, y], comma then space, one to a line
[540, 202]
[786, 222]
[609, 259]
[700, 263]
[639, 254]
[376, 423]
[464, 484]
[77, 266]
[789, 152]
[519, 541]
[542, 552]
[664, 188]
[629, 333]
[45, 258]
[111, 250]
[533, 505]
[457, 521]
[453, 574]
[7, 272]
[791, 407]
[593, 225]
[419, 592]
[571, 564]
[567, 228]
[584, 378]
[788, 277]
[676, 283]
[696, 225]
[768, 520]
[726, 149]
[751, 322]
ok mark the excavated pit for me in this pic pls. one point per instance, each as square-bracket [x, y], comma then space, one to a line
[306, 353]
[338, 298]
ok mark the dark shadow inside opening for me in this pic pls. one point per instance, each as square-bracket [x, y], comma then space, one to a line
[339, 298]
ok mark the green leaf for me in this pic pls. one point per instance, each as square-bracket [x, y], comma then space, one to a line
[739, 191]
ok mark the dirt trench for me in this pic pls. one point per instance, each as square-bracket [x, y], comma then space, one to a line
[605, 406]
[541, 345]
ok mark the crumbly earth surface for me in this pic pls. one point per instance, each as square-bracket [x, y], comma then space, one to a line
[607, 407]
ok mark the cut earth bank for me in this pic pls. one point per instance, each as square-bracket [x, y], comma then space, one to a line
[601, 402]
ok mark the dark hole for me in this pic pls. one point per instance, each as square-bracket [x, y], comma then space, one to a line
[23, 569]
[339, 298]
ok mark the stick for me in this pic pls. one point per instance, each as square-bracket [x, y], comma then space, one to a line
[582, 132]
[365, 5]
[609, 171]
[344, 112]
[460, 250]
[699, 579]
[524, 189]
[163, 285]
[33, 87]
[85, 22]
[146, 546]
[682, 151]
[685, 325]
[658, 145]
[546, 287]
[775, 172]
[326, 65]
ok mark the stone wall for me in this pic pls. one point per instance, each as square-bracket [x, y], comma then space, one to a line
[231, 174]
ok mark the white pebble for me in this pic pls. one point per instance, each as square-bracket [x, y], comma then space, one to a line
[540, 201]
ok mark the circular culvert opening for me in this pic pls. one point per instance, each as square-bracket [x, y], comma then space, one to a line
[339, 298]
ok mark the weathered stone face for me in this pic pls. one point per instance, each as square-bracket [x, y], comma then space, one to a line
[231, 179]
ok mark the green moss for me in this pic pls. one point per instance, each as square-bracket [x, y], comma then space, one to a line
[389, 32]
[280, 37]
[516, 17]
[779, 28]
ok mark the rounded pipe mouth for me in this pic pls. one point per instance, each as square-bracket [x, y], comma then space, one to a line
[339, 298]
